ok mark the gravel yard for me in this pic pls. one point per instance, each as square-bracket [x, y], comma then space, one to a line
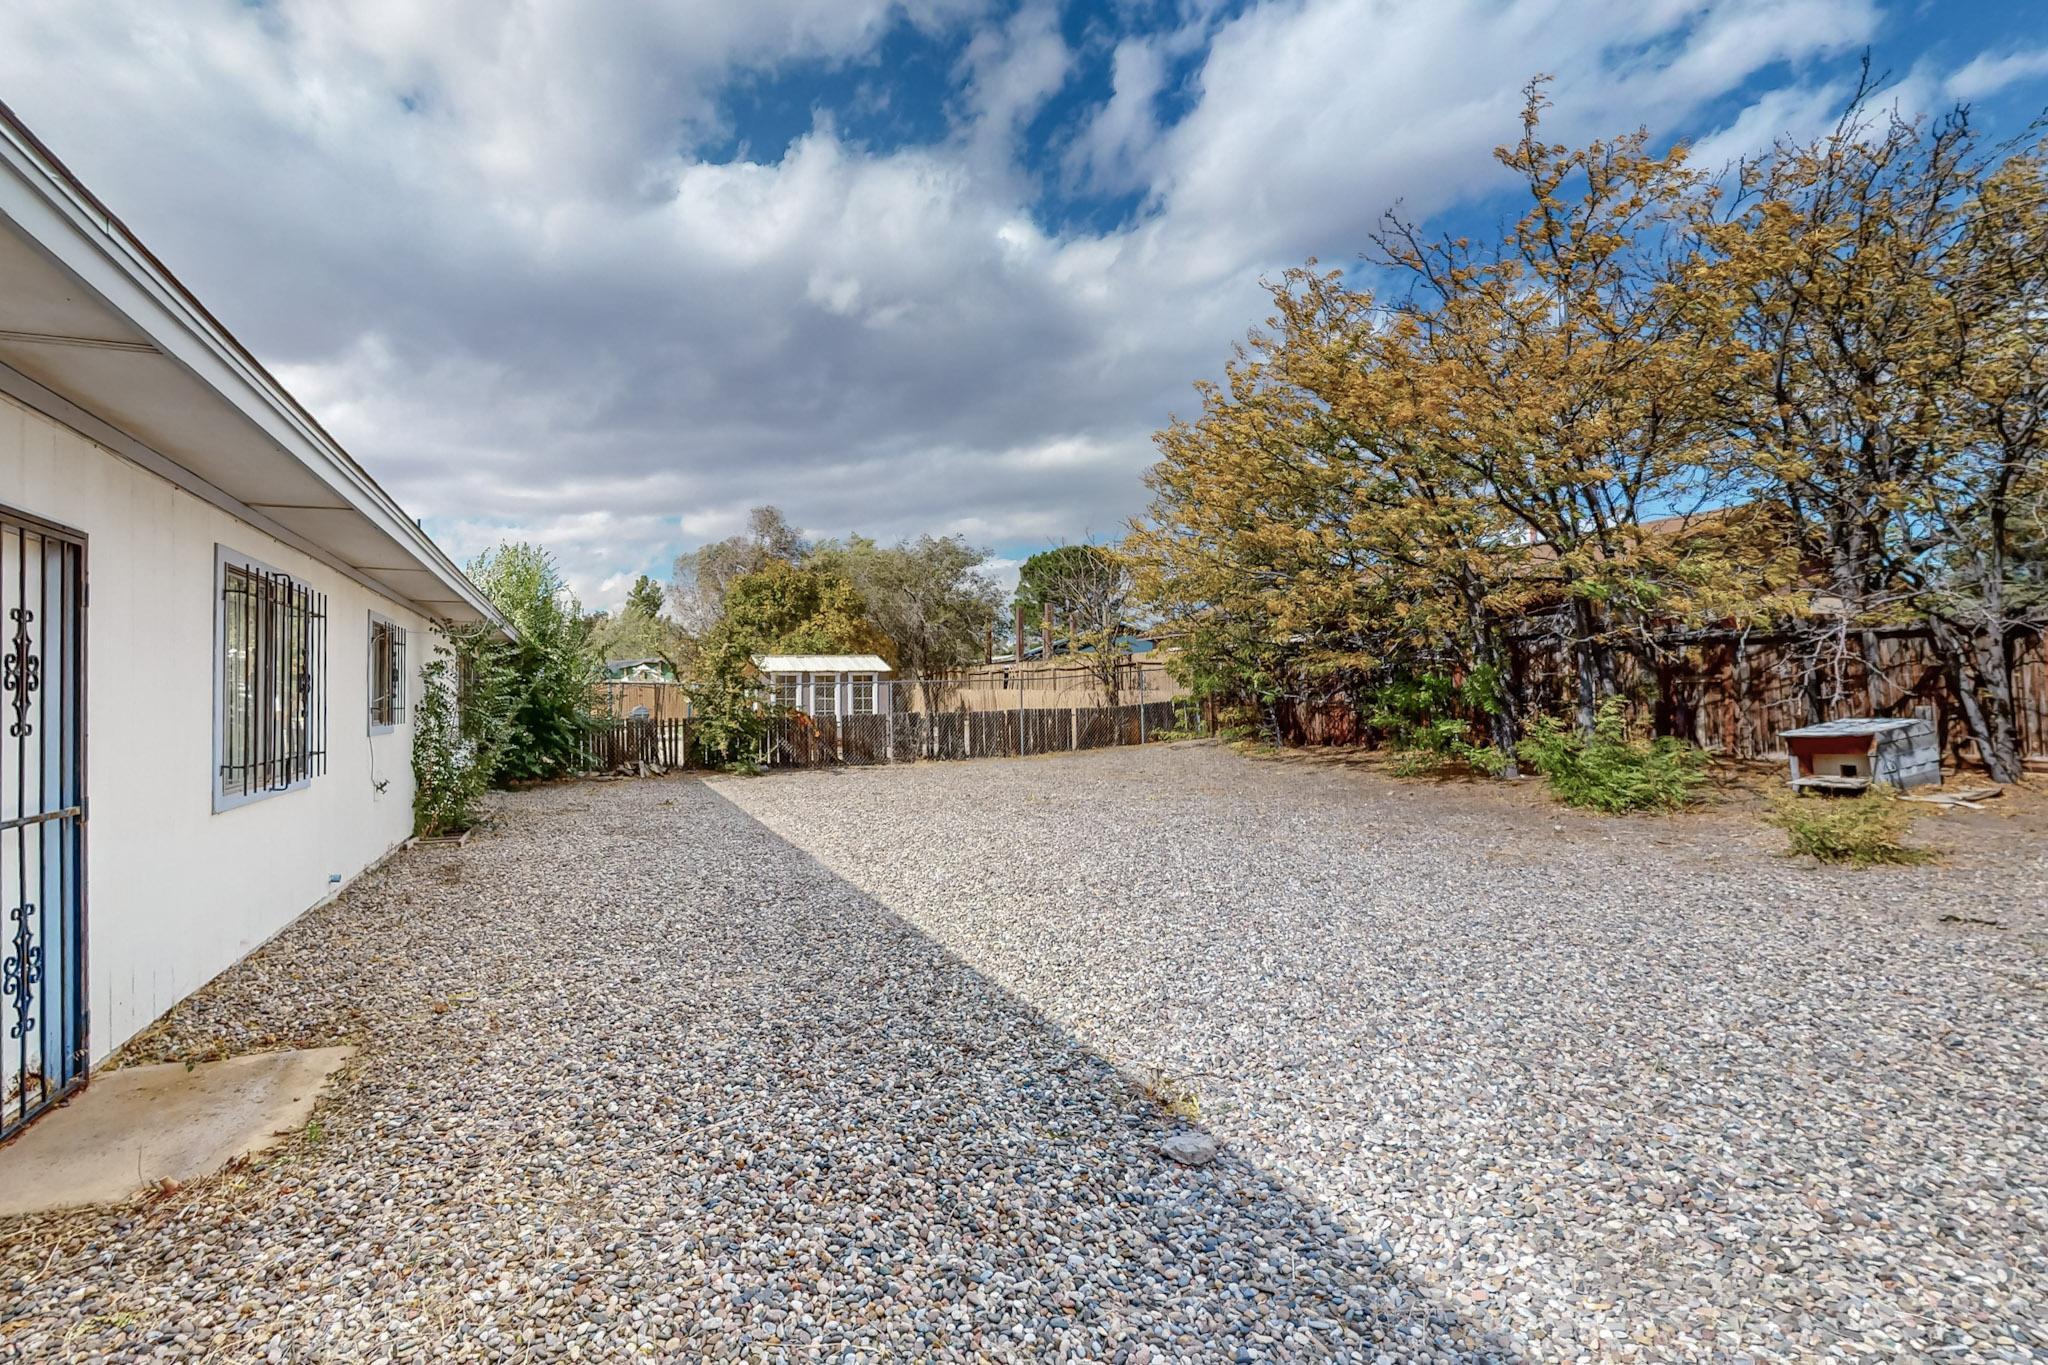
[856, 1064]
[1597, 1085]
[639, 1079]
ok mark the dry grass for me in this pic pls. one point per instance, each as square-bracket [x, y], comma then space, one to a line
[1863, 831]
[1170, 1094]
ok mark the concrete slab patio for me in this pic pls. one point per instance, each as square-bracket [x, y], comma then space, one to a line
[135, 1127]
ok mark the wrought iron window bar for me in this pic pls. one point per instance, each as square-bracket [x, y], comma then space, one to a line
[274, 681]
[387, 672]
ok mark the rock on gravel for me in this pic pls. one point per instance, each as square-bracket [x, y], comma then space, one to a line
[1190, 1149]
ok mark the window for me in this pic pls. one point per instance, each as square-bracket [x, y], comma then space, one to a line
[863, 700]
[270, 718]
[824, 694]
[789, 690]
[387, 673]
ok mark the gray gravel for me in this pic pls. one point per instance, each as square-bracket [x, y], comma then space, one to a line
[639, 1079]
[1597, 1087]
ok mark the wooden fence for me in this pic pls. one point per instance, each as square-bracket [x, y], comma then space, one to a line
[1059, 684]
[619, 699]
[1736, 694]
[897, 737]
[624, 745]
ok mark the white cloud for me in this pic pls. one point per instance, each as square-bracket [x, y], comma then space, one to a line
[1990, 73]
[1315, 119]
[475, 237]
[1112, 153]
[1009, 72]
[1796, 114]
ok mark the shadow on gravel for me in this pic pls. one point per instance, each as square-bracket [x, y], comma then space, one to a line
[641, 1079]
[983, 1181]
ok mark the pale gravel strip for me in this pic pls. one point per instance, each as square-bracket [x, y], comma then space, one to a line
[1612, 1088]
[640, 1080]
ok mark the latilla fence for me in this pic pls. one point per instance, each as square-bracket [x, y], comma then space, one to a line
[900, 737]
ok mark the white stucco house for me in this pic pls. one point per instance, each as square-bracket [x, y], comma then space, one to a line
[827, 685]
[212, 622]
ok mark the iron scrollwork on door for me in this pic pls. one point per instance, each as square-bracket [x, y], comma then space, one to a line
[22, 972]
[23, 672]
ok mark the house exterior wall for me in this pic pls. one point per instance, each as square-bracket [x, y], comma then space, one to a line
[176, 892]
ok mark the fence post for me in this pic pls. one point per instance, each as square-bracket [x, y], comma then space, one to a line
[1073, 729]
[1141, 718]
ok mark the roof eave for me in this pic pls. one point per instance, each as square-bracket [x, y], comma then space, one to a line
[211, 353]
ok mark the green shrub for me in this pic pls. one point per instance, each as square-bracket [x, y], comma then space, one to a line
[1244, 724]
[449, 770]
[1611, 770]
[1864, 830]
[1415, 762]
[1187, 722]
[727, 702]
[547, 671]
[1484, 758]
[1418, 716]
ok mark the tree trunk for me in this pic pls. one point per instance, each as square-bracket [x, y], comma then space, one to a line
[1587, 664]
[1503, 721]
[1873, 673]
[1745, 729]
[1980, 670]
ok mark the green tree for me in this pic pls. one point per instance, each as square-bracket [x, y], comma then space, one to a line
[644, 599]
[927, 600]
[779, 608]
[702, 576]
[550, 667]
[729, 713]
[640, 630]
[800, 609]
[1042, 574]
[1088, 589]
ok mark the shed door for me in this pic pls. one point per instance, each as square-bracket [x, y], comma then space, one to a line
[43, 1049]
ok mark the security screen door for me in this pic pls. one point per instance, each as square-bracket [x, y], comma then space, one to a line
[43, 1049]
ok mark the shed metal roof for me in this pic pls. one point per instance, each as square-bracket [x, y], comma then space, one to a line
[1853, 725]
[821, 663]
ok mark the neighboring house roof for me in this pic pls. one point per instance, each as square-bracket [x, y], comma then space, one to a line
[820, 663]
[95, 333]
[621, 665]
[1706, 526]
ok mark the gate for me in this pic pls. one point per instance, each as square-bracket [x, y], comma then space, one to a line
[43, 1051]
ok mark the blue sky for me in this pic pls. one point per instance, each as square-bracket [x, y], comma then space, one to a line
[604, 274]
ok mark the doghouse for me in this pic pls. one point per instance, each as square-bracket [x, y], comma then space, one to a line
[1849, 755]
